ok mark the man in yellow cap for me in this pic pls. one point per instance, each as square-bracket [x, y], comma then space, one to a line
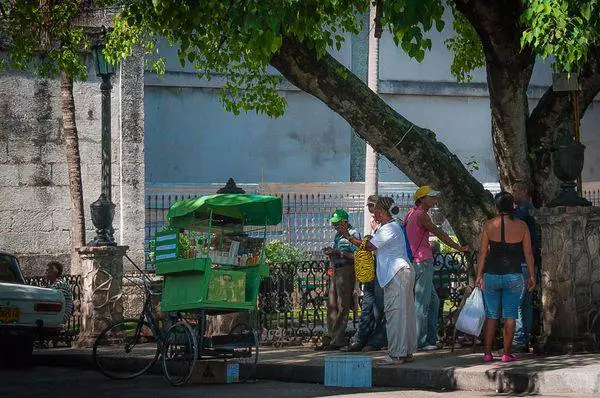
[341, 286]
[418, 228]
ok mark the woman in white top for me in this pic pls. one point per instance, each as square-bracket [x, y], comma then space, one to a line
[396, 276]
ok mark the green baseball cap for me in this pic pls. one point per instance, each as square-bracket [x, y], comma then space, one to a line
[339, 215]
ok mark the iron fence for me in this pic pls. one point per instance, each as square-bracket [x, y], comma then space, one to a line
[73, 325]
[593, 196]
[305, 220]
[293, 301]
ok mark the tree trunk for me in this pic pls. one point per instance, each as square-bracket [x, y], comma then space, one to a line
[508, 70]
[411, 148]
[552, 117]
[74, 167]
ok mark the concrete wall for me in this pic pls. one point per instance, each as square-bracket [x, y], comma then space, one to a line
[35, 203]
[191, 139]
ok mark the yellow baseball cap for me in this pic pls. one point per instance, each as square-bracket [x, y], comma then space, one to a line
[425, 190]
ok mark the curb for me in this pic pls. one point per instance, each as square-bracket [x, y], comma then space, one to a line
[417, 375]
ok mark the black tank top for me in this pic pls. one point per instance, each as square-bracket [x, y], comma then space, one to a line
[504, 258]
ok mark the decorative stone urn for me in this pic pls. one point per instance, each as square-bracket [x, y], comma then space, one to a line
[567, 163]
[103, 212]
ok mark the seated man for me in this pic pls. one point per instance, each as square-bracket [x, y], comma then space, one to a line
[54, 272]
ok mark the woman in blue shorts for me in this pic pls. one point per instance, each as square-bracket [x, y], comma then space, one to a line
[504, 240]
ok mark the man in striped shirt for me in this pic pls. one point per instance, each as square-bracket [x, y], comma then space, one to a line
[54, 271]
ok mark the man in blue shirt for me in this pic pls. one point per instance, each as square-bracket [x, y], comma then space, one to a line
[524, 320]
[341, 284]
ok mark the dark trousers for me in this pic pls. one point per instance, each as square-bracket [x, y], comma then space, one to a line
[371, 324]
[341, 289]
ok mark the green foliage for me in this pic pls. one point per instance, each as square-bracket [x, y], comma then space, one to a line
[466, 47]
[278, 252]
[472, 164]
[42, 37]
[237, 38]
[563, 29]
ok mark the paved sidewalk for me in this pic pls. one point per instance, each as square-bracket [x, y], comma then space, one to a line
[441, 370]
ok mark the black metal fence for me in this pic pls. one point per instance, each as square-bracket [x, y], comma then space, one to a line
[293, 301]
[73, 325]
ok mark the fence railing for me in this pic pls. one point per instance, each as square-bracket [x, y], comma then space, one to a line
[305, 220]
[73, 325]
[293, 301]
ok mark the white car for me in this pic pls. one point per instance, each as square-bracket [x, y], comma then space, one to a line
[25, 312]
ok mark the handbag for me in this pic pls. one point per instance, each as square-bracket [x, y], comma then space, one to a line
[364, 263]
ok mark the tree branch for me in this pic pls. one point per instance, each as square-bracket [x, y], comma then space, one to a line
[413, 149]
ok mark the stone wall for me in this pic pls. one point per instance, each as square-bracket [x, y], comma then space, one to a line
[35, 202]
[570, 285]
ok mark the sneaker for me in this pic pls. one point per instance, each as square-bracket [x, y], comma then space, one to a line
[429, 347]
[509, 358]
[352, 348]
[489, 357]
[388, 360]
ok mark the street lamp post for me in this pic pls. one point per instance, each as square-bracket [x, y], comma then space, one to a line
[103, 210]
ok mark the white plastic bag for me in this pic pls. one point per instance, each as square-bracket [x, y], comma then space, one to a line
[471, 317]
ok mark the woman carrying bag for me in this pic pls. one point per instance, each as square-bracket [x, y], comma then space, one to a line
[396, 276]
[504, 240]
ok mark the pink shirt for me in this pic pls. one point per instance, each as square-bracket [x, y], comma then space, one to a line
[418, 237]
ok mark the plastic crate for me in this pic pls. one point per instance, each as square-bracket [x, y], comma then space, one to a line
[348, 371]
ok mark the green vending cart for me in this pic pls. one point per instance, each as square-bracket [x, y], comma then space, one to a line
[212, 261]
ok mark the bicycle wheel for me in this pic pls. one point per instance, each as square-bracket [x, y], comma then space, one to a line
[179, 353]
[244, 343]
[126, 349]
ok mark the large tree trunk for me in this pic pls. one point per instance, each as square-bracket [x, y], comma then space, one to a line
[413, 149]
[508, 70]
[74, 168]
[551, 117]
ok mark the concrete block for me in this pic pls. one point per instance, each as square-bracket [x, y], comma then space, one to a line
[34, 198]
[29, 222]
[61, 220]
[51, 152]
[6, 221]
[3, 150]
[35, 174]
[60, 174]
[9, 175]
[23, 151]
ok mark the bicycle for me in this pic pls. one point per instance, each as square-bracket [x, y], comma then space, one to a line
[128, 348]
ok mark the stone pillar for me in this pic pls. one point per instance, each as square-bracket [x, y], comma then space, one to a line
[101, 303]
[570, 284]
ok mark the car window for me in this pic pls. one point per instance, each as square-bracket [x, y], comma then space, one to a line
[8, 269]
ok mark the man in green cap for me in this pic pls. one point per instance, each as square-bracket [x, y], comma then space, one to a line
[341, 285]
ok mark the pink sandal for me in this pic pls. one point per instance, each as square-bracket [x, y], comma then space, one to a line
[488, 357]
[509, 358]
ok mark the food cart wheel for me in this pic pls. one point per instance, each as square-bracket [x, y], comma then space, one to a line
[132, 339]
[179, 353]
[244, 341]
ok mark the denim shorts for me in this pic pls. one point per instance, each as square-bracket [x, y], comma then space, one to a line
[502, 291]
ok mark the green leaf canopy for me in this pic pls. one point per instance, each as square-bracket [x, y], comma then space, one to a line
[248, 209]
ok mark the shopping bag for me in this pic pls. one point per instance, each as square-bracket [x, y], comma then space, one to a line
[364, 263]
[471, 317]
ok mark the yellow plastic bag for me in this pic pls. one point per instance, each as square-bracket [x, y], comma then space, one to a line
[364, 263]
